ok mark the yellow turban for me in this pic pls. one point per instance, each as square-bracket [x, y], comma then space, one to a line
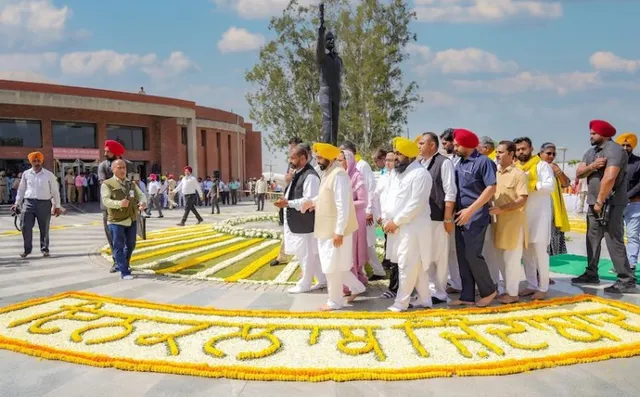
[326, 151]
[629, 137]
[406, 147]
[35, 155]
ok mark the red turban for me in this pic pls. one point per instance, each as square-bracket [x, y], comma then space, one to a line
[188, 168]
[114, 147]
[602, 128]
[466, 138]
[152, 177]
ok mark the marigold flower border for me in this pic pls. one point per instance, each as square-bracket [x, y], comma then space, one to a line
[249, 373]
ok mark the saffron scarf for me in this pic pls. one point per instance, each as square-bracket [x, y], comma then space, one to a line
[531, 167]
[492, 155]
[560, 217]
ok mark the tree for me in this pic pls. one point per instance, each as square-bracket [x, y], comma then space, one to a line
[372, 37]
[574, 162]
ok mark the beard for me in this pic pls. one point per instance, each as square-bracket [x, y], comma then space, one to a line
[523, 158]
[401, 167]
[323, 166]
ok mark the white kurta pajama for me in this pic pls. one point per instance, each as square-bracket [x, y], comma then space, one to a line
[539, 218]
[440, 239]
[406, 204]
[455, 281]
[304, 246]
[372, 209]
[336, 261]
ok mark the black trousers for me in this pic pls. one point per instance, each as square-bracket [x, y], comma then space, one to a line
[330, 108]
[261, 201]
[234, 196]
[613, 234]
[190, 206]
[36, 210]
[215, 203]
[473, 267]
[394, 276]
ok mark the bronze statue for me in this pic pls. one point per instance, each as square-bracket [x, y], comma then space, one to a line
[330, 65]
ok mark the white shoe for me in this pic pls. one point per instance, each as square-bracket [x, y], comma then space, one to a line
[298, 290]
[395, 309]
[127, 277]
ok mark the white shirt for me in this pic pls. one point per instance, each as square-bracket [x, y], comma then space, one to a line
[538, 209]
[154, 187]
[382, 188]
[448, 179]
[189, 185]
[370, 182]
[261, 187]
[405, 200]
[39, 186]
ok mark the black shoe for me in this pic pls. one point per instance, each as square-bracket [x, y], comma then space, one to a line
[274, 263]
[46, 254]
[180, 224]
[23, 255]
[114, 269]
[375, 277]
[160, 216]
[199, 221]
[586, 279]
[622, 287]
[437, 301]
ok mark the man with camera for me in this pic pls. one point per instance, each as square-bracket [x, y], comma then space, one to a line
[604, 166]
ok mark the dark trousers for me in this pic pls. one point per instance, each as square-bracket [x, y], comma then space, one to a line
[473, 267]
[330, 108]
[206, 197]
[225, 198]
[156, 200]
[261, 201]
[124, 242]
[36, 210]
[190, 206]
[613, 234]
[281, 217]
[215, 203]
[394, 280]
[234, 196]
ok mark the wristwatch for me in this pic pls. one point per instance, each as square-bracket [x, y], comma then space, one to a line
[448, 221]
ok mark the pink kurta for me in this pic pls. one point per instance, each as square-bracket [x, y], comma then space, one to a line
[360, 199]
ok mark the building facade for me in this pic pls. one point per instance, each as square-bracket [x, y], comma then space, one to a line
[161, 135]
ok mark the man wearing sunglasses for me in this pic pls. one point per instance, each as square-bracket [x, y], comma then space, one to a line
[628, 141]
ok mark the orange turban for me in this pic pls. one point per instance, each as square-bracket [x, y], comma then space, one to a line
[628, 137]
[35, 155]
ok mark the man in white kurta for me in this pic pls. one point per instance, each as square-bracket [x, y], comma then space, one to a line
[371, 210]
[539, 217]
[303, 245]
[455, 282]
[442, 202]
[335, 222]
[382, 189]
[407, 216]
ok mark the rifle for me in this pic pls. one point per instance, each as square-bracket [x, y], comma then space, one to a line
[322, 16]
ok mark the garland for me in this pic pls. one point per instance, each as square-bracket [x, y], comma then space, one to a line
[580, 320]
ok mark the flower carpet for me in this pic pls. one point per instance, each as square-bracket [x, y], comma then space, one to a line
[227, 251]
[135, 335]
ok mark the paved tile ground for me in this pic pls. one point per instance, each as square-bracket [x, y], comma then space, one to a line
[74, 265]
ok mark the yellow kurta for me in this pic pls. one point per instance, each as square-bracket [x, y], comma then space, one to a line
[512, 183]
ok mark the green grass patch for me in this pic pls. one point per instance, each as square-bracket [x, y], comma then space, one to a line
[236, 267]
[267, 272]
[296, 275]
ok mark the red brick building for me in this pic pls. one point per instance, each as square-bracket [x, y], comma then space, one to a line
[70, 124]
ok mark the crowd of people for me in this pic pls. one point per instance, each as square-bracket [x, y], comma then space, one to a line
[459, 213]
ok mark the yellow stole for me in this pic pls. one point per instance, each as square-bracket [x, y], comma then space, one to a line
[492, 155]
[358, 158]
[531, 167]
[560, 217]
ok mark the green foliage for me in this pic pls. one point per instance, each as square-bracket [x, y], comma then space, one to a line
[371, 37]
[573, 162]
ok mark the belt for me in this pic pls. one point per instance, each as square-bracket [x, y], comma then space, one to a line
[635, 199]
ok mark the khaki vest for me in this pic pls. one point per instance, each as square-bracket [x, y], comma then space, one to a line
[326, 211]
[118, 194]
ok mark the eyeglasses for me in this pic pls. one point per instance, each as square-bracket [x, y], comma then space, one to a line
[550, 153]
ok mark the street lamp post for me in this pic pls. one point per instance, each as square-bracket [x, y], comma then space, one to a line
[564, 152]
